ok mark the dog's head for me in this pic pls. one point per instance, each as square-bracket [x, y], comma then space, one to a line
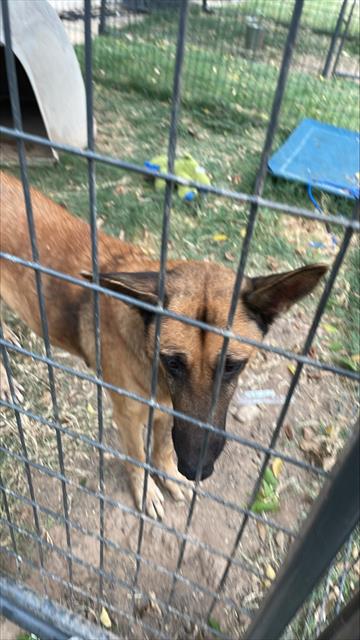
[189, 355]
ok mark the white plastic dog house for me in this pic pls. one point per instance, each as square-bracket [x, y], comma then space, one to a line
[51, 88]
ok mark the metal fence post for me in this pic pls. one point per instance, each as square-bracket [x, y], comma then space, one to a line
[326, 70]
[102, 22]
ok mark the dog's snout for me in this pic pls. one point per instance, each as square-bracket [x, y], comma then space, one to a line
[188, 443]
[190, 471]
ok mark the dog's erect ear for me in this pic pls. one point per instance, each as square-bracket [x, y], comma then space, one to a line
[140, 285]
[268, 296]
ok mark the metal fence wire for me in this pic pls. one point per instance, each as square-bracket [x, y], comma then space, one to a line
[89, 553]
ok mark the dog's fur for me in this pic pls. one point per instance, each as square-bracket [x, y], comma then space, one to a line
[188, 356]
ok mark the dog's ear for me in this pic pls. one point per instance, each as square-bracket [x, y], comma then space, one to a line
[140, 285]
[268, 296]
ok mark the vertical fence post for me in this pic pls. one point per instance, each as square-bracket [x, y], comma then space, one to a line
[326, 70]
[343, 38]
[102, 22]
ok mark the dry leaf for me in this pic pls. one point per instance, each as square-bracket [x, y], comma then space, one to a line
[261, 531]
[277, 466]
[105, 619]
[292, 368]
[270, 572]
[122, 234]
[219, 237]
[288, 432]
[90, 409]
[229, 256]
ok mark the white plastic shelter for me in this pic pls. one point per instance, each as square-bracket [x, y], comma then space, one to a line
[52, 92]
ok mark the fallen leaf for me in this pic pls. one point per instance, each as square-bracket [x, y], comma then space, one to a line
[329, 328]
[219, 237]
[288, 431]
[236, 179]
[277, 465]
[229, 256]
[90, 409]
[356, 357]
[330, 431]
[105, 619]
[214, 624]
[270, 572]
[261, 531]
[292, 368]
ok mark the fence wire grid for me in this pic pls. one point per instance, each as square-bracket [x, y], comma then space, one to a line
[89, 548]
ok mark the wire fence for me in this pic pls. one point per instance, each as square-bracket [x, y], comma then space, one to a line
[233, 56]
[71, 546]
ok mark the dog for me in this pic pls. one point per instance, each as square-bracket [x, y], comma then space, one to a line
[188, 355]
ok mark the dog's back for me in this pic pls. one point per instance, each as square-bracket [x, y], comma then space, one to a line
[63, 242]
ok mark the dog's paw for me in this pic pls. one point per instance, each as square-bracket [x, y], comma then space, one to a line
[178, 492]
[154, 498]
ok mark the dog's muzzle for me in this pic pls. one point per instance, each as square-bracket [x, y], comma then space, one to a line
[190, 472]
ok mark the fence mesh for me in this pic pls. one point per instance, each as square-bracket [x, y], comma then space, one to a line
[69, 526]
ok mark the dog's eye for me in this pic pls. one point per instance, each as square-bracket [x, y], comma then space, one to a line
[174, 364]
[233, 368]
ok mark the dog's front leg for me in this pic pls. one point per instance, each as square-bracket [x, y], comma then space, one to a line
[130, 417]
[163, 456]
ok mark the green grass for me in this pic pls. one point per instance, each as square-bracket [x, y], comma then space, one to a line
[236, 89]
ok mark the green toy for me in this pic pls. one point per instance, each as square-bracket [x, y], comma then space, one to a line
[185, 167]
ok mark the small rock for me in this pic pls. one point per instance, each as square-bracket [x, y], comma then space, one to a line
[280, 540]
[247, 414]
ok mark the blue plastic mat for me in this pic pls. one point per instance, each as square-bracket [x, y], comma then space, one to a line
[322, 156]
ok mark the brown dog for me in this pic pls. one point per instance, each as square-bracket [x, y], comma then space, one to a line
[188, 356]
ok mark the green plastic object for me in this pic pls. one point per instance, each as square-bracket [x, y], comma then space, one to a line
[186, 167]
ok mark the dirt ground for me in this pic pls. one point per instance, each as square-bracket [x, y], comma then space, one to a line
[318, 422]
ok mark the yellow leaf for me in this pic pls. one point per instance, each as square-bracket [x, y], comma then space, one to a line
[270, 573]
[329, 431]
[356, 357]
[329, 328]
[90, 409]
[105, 619]
[242, 233]
[292, 368]
[277, 465]
[220, 237]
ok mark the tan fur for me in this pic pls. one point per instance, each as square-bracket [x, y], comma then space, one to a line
[196, 289]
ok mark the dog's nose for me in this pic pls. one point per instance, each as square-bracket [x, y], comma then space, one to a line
[190, 472]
